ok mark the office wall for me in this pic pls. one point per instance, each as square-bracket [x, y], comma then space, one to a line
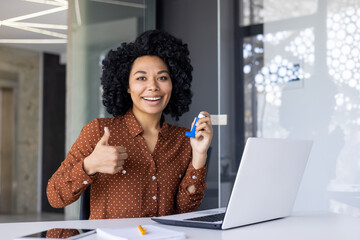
[21, 69]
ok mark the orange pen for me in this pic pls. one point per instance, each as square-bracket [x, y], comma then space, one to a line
[142, 230]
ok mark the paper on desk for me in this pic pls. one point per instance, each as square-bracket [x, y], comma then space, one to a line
[152, 233]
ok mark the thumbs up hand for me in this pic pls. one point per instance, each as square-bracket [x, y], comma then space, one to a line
[105, 158]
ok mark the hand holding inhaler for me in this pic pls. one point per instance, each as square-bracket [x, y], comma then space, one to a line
[200, 139]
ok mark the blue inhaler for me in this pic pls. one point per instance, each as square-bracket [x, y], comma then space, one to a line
[192, 132]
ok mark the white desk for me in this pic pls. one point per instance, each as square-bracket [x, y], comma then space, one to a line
[304, 226]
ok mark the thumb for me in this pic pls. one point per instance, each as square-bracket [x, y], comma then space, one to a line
[105, 138]
[193, 122]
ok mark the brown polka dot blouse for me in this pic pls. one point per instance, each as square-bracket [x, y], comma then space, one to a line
[61, 233]
[150, 184]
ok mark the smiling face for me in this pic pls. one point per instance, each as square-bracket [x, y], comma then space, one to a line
[150, 85]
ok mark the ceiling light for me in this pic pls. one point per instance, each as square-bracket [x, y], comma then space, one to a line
[41, 31]
[34, 41]
[37, 25]
[56, 3]
[36, 14]
[122, 3]
[61, 1]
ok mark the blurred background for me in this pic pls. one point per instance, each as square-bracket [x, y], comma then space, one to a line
[265, 68]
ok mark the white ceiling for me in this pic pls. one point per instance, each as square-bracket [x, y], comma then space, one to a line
[10, 30]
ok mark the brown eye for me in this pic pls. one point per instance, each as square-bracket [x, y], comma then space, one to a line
[162, 78]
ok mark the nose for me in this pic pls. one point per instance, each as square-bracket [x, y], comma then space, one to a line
[153, 85]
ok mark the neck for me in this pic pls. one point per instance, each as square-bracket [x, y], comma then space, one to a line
[149, 122]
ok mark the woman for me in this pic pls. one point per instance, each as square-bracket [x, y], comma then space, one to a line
[137, 164]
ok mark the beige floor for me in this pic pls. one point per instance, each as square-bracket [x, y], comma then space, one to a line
[31, 217]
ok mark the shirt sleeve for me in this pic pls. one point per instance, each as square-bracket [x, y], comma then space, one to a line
[186, 201]
[70, 180]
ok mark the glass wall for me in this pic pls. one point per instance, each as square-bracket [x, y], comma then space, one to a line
[96, 26]
[321, 39]
[307, 87]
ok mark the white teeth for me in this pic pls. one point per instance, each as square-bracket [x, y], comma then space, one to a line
[152, 99]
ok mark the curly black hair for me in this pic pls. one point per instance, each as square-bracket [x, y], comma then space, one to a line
[118, 63]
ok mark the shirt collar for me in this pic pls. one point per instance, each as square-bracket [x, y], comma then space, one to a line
[136, 129]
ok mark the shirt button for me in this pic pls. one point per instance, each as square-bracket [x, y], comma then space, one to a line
[153, 177]
[123, 171]
[179, 175]
[85, 182]
[154, 197]
[193, 177]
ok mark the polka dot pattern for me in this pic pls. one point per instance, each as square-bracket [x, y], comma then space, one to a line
[61, 233]
[150, 184]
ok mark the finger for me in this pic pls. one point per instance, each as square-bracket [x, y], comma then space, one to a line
[203, 120]
[123, 156]
[203, 127]
[207, 117]
[105, 138]
[120, 163]
[202, 134]
[192, 124]
[118, 169]
[121, 149]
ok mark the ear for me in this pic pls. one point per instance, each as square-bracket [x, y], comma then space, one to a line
[128, 90]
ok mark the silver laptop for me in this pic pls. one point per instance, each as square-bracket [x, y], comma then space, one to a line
[265, 187]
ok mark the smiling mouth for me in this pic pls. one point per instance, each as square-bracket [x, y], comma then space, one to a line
[151, 98]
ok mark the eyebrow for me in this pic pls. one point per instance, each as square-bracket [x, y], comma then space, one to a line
[163, 71]
[144, 72]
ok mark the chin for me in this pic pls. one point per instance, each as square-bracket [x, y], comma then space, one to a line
[153, 111]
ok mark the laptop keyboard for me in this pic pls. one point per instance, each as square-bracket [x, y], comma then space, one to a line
[209, 218]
